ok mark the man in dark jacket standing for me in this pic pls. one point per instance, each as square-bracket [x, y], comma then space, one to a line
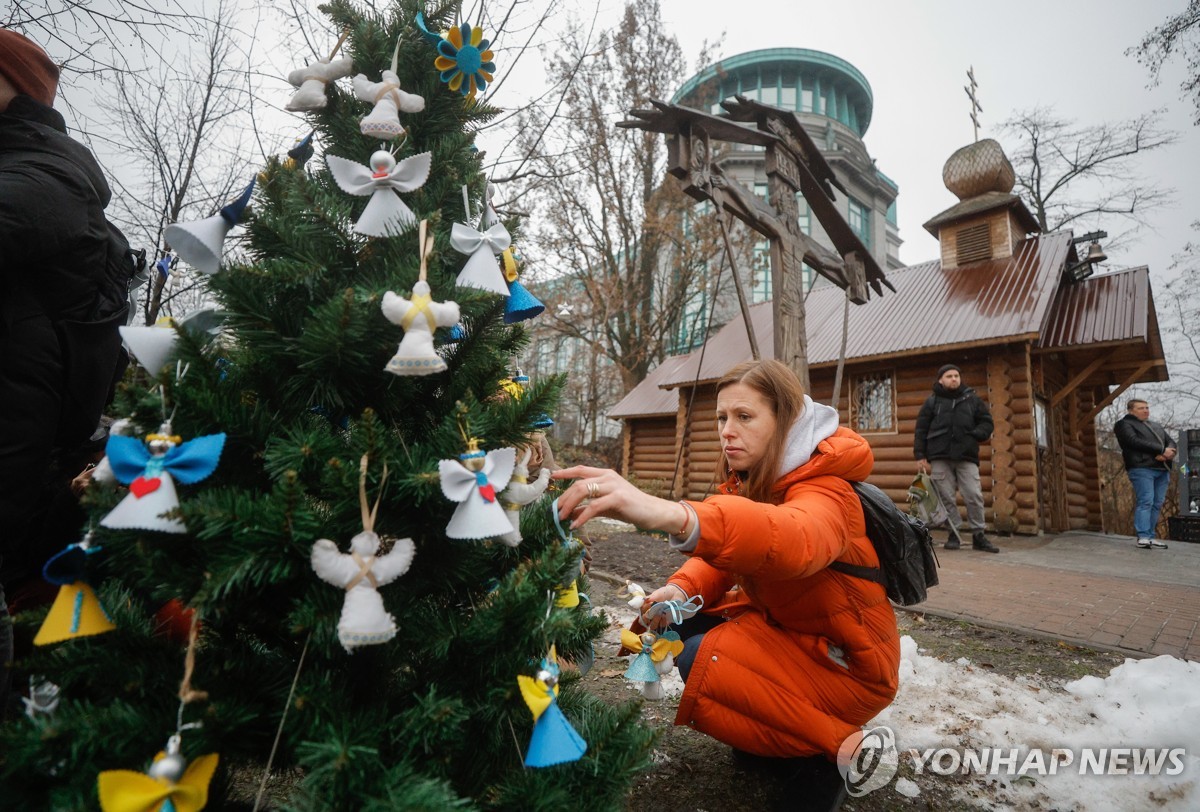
[58, 343]
[1148, 452]
[950, 427]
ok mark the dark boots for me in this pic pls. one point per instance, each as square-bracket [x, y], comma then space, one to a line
[980, 542]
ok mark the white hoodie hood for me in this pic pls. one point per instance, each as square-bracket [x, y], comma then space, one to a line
[816, 422]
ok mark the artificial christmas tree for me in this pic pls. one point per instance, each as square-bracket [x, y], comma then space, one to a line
[432, 718]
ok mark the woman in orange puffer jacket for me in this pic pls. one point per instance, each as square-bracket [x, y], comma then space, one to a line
[788, 657]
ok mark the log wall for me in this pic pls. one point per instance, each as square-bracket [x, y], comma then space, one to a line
[650, 452]
[1007, 378]
[701, 441]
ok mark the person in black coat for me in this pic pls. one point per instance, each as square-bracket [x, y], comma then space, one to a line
[58, 361]
[1148, 452]
[950, 426]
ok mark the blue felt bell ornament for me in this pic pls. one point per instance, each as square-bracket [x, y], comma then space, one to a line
[554, 740]
[521, 304]
[201, 243]
[76, 611]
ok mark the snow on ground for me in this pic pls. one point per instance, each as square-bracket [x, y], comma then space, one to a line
[1151, 707]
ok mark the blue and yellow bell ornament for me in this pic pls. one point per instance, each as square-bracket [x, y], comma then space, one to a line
[520, 305]
[554, 740]
[515, 385]
[76, 611]
[171, 784]
[299, 154]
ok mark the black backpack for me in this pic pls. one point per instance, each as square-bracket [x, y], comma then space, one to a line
[92, 356]
[121, 265]
[907, 562]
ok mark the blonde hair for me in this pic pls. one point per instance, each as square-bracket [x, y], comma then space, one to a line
[782, 391]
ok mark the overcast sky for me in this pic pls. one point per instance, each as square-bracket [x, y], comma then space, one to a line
[1068, 54]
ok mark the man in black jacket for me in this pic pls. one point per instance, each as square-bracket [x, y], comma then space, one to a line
[57, 358]
[1148, 451]
[950, 427]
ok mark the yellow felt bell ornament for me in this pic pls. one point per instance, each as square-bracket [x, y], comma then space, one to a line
[554, 740]
[76, 611]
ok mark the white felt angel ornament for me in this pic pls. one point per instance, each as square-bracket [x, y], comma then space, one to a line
[419, 316]
[473, 480]
[310, 80]
[384, 119]
[386, 215]
[151, 470]
[519, 493]
[482, 248]
[364, 619]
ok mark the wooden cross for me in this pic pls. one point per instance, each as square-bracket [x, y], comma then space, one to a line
[794, 165]
[975, 106]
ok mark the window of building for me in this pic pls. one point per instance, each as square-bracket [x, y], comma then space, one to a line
[873, 403]
[805, 214]
[760, 272]
[806, 100]
[1040, 429]
[762, 191]
[808, 275]
[891, 214]
[693, 324]
[859, 218]
[787, 98]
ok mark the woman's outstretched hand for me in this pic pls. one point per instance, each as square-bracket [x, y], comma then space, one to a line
[604, 492]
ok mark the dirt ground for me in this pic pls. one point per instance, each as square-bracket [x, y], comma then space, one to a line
[694, 773]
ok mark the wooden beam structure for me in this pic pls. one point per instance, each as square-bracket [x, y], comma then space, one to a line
[1074, 383]
[1116, 393]
[794, 166]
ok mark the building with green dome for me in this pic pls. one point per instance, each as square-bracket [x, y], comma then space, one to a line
[833, 100]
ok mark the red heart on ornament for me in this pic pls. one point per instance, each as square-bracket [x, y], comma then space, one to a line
[142, 486]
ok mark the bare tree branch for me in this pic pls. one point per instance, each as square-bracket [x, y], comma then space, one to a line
[1087, 174]
[1178, 35]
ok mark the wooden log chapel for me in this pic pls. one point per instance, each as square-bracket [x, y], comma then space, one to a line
[1042, 340]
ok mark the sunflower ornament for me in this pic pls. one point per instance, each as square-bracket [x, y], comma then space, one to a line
[465, 60]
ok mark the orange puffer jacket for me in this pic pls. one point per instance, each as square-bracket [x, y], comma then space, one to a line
[807, 655]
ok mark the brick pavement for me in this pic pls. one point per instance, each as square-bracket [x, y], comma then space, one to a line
[1086, 588]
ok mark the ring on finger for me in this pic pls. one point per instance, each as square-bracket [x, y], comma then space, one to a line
[593, 490]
